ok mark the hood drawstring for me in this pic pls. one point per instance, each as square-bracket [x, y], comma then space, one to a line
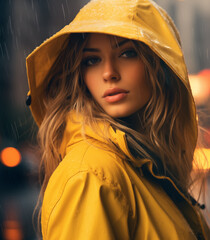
[28, 100]
[194, 203]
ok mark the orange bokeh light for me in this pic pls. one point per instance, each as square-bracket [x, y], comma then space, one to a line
[202, 159]
[10, 157]
[200, 84]
[12, 230]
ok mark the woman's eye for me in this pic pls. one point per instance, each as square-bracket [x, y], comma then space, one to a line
[90, 61]
[129, 54]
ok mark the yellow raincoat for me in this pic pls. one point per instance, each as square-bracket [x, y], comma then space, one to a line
[93, 193]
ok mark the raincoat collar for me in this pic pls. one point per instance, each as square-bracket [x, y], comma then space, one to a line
[76, 132]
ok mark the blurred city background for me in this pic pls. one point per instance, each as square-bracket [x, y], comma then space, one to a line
[25, 24]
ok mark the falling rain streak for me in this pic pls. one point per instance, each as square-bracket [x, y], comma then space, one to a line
[1, 50]
[6, 51]
[63, 11]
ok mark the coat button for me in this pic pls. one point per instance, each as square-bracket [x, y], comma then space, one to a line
[28, 100]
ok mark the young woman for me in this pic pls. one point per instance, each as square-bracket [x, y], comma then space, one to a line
[117, 127]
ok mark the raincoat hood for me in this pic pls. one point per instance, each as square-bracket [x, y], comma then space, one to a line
[141, 20]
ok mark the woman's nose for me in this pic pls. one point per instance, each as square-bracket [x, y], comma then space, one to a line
[110, 72]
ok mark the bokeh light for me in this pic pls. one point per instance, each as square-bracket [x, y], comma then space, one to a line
[200, 84]
[201, 159]
[10, 157]
[12, 230]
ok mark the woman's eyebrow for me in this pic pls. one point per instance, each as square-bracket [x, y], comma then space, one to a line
[118, 44]
[91, 50]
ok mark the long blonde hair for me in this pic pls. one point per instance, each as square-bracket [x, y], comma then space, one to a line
[168, 127]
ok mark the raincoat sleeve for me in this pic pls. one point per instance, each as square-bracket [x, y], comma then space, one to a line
[89, 208]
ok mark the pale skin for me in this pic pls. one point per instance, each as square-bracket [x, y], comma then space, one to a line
[115, 75]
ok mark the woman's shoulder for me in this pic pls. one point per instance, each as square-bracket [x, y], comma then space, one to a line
[88, 157]
[82, 161]
[86, 170]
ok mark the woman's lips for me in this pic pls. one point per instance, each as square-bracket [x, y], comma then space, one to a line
[115, 94]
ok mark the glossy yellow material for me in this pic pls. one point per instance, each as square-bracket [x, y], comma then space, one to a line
[141, 20]
[95, 194]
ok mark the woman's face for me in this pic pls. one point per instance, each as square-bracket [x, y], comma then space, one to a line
[115, 75]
